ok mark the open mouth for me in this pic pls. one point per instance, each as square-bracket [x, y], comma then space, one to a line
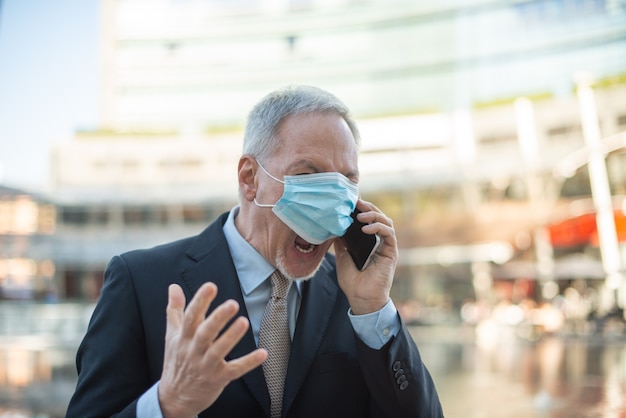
[303, 246]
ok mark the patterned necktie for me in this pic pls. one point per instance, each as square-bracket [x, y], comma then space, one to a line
[275, 338]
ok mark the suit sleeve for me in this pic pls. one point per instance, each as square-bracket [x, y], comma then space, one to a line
[399, 382]
[111, 360]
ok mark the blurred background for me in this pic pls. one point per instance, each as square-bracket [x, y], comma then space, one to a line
[494, 134]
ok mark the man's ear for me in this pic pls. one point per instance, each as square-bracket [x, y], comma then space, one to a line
[247, 170]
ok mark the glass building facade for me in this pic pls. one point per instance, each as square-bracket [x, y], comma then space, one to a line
[470, 121]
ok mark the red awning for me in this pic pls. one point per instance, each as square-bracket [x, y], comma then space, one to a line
[582, 230]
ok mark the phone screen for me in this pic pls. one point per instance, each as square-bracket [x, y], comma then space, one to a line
[360, 246]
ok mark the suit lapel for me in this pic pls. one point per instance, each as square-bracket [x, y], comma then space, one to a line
[318, 299]
[214, 263]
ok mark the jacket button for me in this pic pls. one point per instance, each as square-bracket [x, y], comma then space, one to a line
[399, 372]
[404, 385]
[396, 366]
[401, 379]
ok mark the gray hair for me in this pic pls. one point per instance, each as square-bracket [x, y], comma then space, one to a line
[260, 139]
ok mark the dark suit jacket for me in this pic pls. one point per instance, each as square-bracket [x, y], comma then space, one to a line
[331, 372]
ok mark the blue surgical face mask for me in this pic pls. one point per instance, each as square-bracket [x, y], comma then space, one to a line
[317, 206]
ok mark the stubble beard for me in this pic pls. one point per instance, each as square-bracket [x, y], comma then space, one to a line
[280, 265]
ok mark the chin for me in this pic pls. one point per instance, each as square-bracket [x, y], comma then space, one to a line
[298, 271]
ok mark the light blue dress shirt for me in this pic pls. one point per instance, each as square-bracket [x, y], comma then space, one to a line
[374, 329]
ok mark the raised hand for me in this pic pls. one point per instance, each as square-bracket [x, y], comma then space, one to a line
[195, 371]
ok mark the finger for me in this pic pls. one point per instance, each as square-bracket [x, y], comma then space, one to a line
[365, 207]
[227, 341]
[370, 213]
[209, 329]
[389, 241]
[175, 307]
[197, 308]
[380, 224]
[242, 365]
[373, 217]
[385, 232]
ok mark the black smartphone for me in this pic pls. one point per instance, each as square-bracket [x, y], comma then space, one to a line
[360, 246]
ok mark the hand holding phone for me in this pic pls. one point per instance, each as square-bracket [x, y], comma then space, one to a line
[360, 246]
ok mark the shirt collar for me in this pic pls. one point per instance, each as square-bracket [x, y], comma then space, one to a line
[251, 267]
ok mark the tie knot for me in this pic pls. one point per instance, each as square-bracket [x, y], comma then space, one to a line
[280, 285]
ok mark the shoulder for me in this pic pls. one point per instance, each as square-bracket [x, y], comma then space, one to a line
[193, 247]
[158, 253]
[169, 258]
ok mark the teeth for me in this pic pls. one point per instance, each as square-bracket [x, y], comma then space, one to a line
[307, 250]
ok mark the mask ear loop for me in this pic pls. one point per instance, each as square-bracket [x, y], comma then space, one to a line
[262, 205]
[267, 172]
[266, 205]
